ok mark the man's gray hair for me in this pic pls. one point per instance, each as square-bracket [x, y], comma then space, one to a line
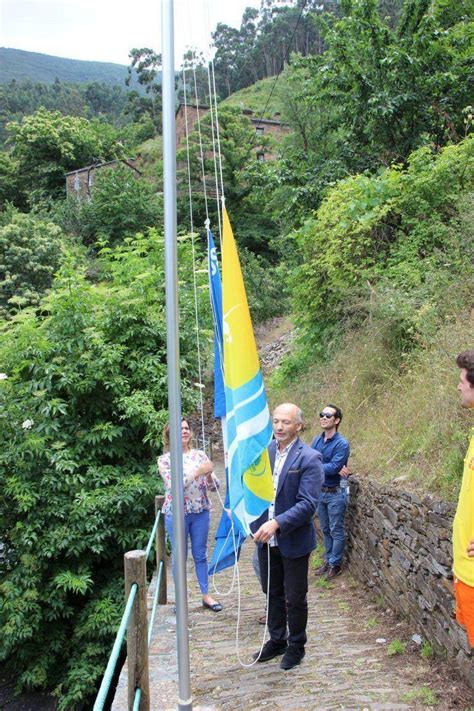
[299, 416]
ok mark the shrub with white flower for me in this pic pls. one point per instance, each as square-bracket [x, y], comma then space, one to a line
[3, 376]
[27, 424]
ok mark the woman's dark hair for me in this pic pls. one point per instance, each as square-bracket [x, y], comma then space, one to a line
[337, 414]
[465, 361]
[166, 432]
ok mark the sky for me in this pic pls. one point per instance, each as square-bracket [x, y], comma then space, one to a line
[106, 30]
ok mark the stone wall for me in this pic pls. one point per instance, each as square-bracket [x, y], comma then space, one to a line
[81, 182]
[400, 546]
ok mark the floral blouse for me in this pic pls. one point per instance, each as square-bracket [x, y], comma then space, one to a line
[195, 490]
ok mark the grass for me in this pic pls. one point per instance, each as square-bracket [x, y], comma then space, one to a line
[396, 646]
[317, 559]
[424, 695]
[380, 600]
[323, 584]
[371, 623]
[427, 651]
[395, 409]
[255, 97]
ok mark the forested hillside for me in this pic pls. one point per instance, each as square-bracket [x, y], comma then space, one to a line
[19, 65]
[360, 228]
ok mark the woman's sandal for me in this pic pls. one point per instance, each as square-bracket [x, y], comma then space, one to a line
[215, 607]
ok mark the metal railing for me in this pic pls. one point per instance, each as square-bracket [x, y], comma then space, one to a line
[134, 621]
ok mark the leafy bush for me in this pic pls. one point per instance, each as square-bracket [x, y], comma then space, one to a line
[46, 145]
[399, 231]
[265, 284]
[85, 400]
[121, 205]
[31, 251]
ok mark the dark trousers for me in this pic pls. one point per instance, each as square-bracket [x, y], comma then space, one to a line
[287, 602]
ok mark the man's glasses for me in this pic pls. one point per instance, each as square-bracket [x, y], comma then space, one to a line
[327, 415]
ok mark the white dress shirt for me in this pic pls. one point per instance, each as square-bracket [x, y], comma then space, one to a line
[280, 459]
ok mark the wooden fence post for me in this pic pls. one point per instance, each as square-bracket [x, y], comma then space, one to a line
[137, 635]
[161, 550]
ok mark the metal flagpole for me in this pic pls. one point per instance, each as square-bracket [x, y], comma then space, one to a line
[172, 343]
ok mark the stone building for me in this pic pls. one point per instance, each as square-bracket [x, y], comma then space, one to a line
[80, 182]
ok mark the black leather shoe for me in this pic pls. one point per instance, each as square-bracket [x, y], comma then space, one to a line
[291, 658]
[270, 650]
[321, 570]
[215, 607]
[334, 572]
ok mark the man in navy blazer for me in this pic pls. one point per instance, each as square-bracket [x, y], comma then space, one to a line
[285, 536]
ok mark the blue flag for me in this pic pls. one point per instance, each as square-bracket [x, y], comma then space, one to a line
[216, 303]
[229, 539]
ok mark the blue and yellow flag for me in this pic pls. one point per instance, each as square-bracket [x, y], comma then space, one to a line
[249, 429]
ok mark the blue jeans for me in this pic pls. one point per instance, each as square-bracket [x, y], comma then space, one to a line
[196, 526]
[331, 511]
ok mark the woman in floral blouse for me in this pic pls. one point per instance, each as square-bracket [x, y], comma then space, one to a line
[198, 479]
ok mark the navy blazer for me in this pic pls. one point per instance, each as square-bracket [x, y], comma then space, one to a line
[296, 500]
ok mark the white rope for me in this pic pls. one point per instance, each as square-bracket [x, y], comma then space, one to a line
[201, 152]
[217, 131]
[214, 153]
[214, 127]
[236, 576]
[216, 139]
[193, 250]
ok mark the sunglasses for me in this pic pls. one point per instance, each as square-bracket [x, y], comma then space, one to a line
[327, 415]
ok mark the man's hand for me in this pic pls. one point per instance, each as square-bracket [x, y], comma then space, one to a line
[344, 471]
[470, 548]
[266, 531]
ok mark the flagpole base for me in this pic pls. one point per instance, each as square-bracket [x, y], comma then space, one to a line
[185, 705]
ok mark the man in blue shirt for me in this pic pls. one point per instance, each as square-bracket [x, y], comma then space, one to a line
[332, 501]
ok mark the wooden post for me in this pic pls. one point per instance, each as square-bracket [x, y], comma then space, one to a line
[160, 546]
[137, 635]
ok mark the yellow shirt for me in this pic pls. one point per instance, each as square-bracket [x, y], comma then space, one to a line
[463, 527]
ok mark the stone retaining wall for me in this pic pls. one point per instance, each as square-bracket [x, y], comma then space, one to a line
[400, 546]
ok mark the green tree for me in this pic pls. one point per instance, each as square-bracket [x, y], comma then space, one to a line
[30, 250]
[85, 400]
[239, 148]
[377, 92]
[399, 234]
[146, 63]
[46, 145]
[121, 204]
[10, 190]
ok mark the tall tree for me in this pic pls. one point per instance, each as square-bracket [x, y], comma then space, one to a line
[147, 63]
[46, 145]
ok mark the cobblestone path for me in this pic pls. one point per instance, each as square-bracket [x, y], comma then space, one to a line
[345, 667]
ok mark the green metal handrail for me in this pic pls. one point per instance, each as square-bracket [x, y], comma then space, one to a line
[137, 699]
[155, 602]
[152, 537]
[109, 672]
[114, 655]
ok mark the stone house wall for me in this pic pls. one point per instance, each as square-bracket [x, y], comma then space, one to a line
[400, 546]
[80, 182]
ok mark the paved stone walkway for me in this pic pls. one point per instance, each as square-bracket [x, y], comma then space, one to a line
[345, 666]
